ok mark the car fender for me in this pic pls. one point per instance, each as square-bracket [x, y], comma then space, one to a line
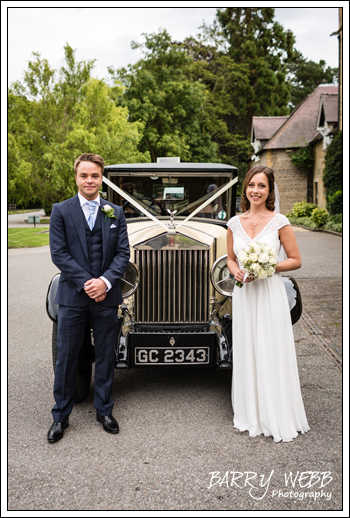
[51, 306]
[294, 298]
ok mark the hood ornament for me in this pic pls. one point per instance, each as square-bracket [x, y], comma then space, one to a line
[172, 214]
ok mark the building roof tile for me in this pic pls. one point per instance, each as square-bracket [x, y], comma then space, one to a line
[330, 107]
[265, 127]
[300, 127]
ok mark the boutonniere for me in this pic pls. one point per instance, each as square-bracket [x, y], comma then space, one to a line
[109, 212]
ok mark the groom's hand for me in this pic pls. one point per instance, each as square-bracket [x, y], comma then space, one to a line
[96, 289]
[100, 299]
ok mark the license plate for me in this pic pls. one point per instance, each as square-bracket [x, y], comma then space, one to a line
[173, 356]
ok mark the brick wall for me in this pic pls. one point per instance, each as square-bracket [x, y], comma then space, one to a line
[291, 182]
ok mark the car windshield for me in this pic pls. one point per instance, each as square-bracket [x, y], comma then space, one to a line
[183, 194]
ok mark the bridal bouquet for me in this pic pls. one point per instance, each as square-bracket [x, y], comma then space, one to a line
[259, 261]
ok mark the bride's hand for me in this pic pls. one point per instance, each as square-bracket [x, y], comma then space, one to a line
[239, 276]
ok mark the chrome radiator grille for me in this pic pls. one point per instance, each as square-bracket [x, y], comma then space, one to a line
[174, 286]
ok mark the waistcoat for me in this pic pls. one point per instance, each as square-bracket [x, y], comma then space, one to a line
[94, 243]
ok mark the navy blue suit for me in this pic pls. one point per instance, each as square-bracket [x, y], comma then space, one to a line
[80, 255]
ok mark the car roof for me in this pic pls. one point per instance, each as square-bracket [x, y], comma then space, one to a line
[172, 167]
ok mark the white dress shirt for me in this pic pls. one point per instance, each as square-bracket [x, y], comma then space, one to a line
[86, 211]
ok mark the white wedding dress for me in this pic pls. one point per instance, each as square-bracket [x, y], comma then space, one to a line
[266, 394]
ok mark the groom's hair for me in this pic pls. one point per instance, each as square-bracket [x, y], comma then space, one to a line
[270, 202]
[89, 157]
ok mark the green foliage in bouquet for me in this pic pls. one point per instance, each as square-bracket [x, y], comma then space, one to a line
[319, 216]
[303, 209]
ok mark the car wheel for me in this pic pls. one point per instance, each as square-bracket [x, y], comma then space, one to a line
[84, 369]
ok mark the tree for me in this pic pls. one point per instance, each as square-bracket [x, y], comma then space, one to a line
[172, 106]
[52, 122]
[305, 75]
[252, 37]
[227, 89]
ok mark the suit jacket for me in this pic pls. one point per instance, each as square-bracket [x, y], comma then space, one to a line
[69, 252]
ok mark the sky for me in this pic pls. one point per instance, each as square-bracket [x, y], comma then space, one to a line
[105, 33]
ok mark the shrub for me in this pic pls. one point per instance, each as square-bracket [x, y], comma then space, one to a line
[335, 218]
[303, 158]
[335, 203]
[306, 222]
[333, 172]
[303, 209]
[335, 227]
[319, 216]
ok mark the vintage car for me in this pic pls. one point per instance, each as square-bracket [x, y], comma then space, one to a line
[177, 288]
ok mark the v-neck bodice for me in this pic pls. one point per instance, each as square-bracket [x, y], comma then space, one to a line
[277, 222]
[262, 230]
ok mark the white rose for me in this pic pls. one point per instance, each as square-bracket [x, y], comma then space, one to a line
[273, 261]
[242, 257]
[253, 257]
[271, 271]
[256, 248]
[107, 207]
[256, 268]
[270, 250]
[264, 257]
[262, 274]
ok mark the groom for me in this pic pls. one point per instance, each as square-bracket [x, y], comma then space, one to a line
[89, 245]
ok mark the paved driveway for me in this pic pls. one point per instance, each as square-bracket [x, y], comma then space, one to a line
[176, 426]
[18, 220]
[321, 255]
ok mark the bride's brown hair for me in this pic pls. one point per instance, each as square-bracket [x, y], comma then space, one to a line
[270, 202]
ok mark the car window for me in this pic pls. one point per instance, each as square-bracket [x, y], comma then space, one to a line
[184, 194]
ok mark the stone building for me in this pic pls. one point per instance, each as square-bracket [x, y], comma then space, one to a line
[274, 138]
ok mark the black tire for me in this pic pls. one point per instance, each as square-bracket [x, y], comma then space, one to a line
[84, 369]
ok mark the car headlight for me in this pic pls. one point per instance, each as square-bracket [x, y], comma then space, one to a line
[221, 277]
[130, 280]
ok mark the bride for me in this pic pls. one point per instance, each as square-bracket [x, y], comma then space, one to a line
[266, 394]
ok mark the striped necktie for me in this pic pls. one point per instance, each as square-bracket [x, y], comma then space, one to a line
[92, 209]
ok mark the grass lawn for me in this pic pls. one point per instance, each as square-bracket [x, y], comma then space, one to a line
[21, 211]
[27, 237]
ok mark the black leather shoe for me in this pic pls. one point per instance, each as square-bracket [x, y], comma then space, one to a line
[56, 431]
[109, 423]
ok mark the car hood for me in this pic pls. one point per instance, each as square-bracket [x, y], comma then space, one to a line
[194, 234]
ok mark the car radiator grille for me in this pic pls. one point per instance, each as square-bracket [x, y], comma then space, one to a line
[174, 286]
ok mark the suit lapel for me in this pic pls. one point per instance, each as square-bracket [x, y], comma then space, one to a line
[78, 220]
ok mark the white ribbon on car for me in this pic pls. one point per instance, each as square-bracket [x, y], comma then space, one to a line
[133, 202]
[149, 215]
[201, 207]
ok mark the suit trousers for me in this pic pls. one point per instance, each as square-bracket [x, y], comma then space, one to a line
[70, 336]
